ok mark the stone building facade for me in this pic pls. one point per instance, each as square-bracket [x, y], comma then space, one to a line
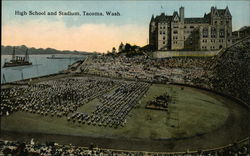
[213, 31]
[241, 33]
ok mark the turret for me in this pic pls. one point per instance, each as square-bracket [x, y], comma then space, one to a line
[152, 19]
[227, 12]
[212, 10]
[181, 12]
[152, 24]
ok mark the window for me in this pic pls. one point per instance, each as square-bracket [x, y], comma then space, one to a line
[175, 32]
[221, 22]
[205, 32]
[160, 32]
[191, 26]
[163, 38]
[215, 22]
[227, 22]
[175, 37]
[163, 42]
[213, 33]
[176, 26]
[163, 32]
[163, 27]
[185, 27]
[222, 33]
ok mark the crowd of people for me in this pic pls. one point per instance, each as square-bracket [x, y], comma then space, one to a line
[151, 70]
[231, 71]
[53, 149]
[54, 97]
[227, 73]
[160, 103]
[62, 97]
[114, 106]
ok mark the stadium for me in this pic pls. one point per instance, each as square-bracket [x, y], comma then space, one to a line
[133, 106]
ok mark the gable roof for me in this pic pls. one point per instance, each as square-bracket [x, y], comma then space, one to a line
[163, 18]
[221, 12]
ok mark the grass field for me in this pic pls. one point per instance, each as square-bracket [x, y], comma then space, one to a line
[193, 112]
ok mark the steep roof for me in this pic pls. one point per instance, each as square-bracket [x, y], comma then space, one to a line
[221, 12]
[195, 20]
[163, 18]
[205, 19]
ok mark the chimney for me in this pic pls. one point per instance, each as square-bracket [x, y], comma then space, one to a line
[181, 13]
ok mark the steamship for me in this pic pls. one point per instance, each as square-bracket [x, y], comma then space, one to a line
[18, 60]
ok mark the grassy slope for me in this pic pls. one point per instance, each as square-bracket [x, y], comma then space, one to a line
[196, 111]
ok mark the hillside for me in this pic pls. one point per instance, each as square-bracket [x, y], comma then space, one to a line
[20, 50]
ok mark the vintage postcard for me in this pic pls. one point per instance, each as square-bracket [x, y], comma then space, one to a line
[125, 78]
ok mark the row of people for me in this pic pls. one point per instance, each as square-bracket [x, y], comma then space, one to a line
[55, 97]
[114, 107]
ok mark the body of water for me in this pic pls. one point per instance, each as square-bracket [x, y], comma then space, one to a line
[40, 66]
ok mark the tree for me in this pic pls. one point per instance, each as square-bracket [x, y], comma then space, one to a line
[127, 47]
[113, 50]
[121, 47]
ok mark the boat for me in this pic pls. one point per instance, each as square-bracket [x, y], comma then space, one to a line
[18, 60]
[57, 57]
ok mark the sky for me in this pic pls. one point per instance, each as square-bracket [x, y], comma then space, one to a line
[99, 33]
